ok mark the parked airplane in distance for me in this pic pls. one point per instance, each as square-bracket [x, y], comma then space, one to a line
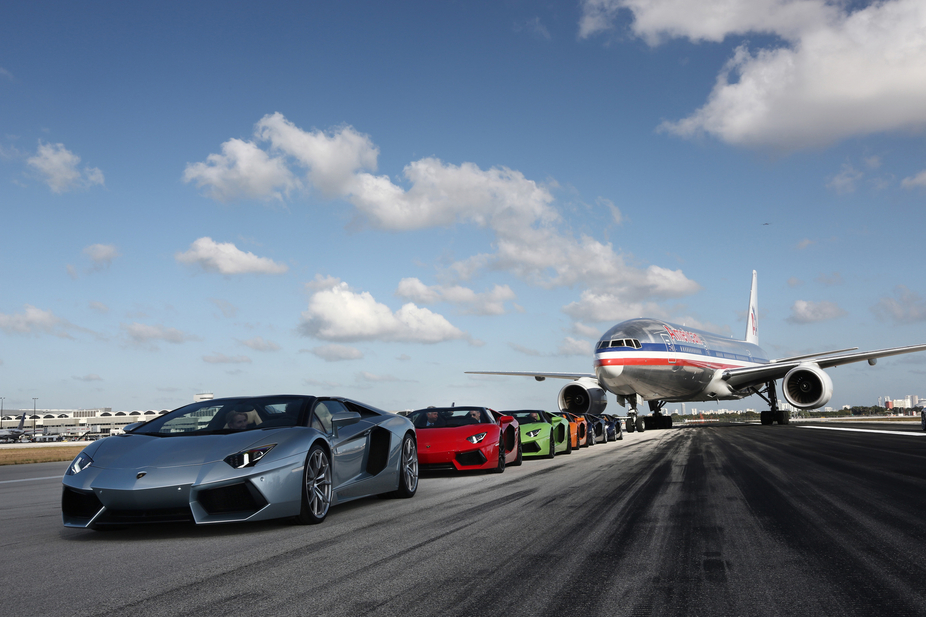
[14, 434]
[657, 362]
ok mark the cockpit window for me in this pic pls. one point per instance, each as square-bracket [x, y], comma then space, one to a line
[622, 342]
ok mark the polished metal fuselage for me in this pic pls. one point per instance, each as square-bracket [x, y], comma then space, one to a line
[674, 363]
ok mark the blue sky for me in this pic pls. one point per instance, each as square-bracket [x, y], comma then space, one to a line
[369, 199]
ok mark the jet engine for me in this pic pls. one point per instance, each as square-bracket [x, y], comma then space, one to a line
[583, 396]
[807, 386]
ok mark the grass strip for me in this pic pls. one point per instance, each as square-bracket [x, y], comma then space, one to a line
[22, 456]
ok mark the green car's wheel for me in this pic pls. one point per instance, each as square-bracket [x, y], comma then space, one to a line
[552, 451]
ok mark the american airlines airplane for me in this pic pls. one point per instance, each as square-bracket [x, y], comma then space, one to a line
[657, 362]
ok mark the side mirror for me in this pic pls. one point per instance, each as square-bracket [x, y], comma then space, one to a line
[128, 428]
[344, 418]
[506, 419]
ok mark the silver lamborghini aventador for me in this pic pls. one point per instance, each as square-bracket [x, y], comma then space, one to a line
[242, 459]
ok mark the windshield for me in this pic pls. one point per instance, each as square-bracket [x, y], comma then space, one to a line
[436, 417]
[228, 416]
[527, 417]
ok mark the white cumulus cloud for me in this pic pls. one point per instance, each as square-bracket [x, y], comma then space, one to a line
[243, 170]
[226, 258]
[527, 230]
[259, 344]
[834, 73]
[337, 353]
[339, 314]
[145, 335]
[804, 311]
[905, 307]
[58, 167]
[486, 303]
[35, 321]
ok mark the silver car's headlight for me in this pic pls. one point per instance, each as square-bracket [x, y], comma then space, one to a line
[476, 438]
[249, 457]
[79, 464]
[533, 433]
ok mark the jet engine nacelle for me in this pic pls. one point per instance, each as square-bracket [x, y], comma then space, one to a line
[807, 386]
[583, 396]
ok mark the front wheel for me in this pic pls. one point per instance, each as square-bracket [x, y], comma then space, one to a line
[408, 469]
[520, 457]
[316, 487]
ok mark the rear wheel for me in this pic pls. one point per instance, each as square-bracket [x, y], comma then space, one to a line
[501, 457]
[552, 451]
[316, 487]
[520, 457]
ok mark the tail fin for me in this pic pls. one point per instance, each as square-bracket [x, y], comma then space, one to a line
[752, 317]
[22, 421]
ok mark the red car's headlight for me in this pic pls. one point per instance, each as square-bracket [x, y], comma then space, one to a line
[476, 438]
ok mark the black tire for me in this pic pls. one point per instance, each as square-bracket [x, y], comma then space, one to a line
[520, 458]
[501, 457]
[604, 434]
[316, 486]
[641, 425]
[552, 452]
[923, 419]
[569, 439]
[408, 469]
[630, 425]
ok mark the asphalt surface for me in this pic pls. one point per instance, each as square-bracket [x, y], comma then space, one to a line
[713, 520]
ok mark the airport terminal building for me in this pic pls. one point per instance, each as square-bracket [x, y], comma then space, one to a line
[55, 424]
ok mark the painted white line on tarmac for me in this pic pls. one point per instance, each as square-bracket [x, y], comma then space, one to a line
[864, 430]
[58, 477]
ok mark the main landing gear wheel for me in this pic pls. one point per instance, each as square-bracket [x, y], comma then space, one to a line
[316, 487]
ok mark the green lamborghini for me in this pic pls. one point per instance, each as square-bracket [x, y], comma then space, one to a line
[542, 433]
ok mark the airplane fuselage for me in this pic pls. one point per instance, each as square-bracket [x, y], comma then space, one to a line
[660, 360]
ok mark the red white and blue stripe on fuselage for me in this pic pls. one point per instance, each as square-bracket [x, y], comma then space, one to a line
[658, 359]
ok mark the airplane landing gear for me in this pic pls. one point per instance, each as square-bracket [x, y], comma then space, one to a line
[773, 414]
[658, 419]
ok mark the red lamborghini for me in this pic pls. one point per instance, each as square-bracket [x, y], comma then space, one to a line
[465, 438]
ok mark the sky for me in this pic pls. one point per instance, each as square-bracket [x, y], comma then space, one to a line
[367, 199]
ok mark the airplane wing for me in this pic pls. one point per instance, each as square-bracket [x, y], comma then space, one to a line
[537, 375]
[743, 377]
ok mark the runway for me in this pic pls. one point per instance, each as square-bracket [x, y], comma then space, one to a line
[710, 520]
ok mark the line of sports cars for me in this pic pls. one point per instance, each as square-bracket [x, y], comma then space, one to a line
[257, 458]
